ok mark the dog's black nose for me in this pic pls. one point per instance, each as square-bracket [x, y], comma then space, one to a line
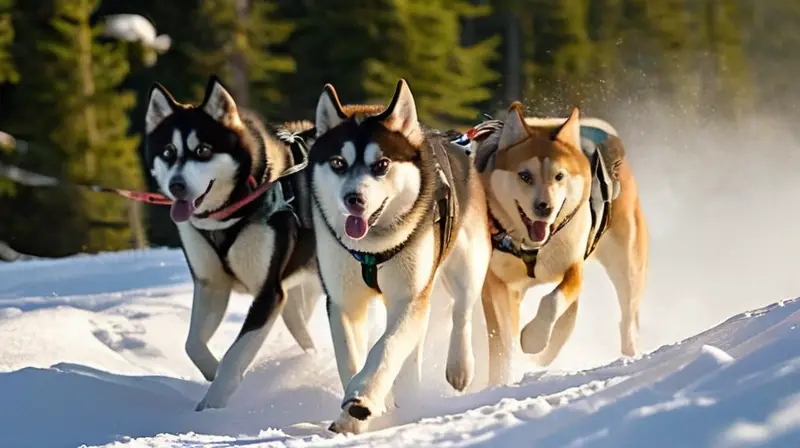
[542, 209]
[355, 202]
[177, 186]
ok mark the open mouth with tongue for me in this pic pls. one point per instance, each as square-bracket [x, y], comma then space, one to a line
[182, 209]
[538, 231]
[356, 227]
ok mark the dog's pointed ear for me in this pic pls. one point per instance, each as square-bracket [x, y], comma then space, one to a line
[570, 131]
[401, 115]
[160, 106]
[514, 127]
[330, 112]
[219, 104]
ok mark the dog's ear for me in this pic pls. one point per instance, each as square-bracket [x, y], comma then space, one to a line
[160, 106]
[401, 115]
[330, 112]
[219, 104]
[570, 131]
[514, 127]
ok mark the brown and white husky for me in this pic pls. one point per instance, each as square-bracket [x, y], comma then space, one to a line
[552, 207]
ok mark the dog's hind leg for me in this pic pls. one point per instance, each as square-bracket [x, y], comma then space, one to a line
[561, 333]
[501, 309]
[464, 274]
[300, 303]
[537, 333]
[208, 308]
[623, 254]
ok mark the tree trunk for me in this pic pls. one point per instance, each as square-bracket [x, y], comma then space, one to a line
[513, 58]
[238, 58]
[87, 82]
[90, 116]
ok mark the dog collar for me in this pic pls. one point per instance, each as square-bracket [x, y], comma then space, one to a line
[370, 261]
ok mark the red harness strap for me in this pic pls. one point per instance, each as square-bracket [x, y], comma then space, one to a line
[227, 211]
[160, 199]
[150, 198]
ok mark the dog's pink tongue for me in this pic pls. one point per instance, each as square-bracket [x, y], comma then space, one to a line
[538, 231]
[181, 211]
[356, 227]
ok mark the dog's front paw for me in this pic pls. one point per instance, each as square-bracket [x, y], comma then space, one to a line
[535, 336]
[217, 395]
[460, 370]
[353, 419]
[210, 403]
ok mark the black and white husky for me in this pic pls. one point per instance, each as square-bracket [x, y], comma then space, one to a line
[241, 205]
[394, 209]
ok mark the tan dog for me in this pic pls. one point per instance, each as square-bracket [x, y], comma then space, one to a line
[539, 185]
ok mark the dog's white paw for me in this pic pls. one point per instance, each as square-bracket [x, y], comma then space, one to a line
[217, 395]
[460, 370]
[535, 336]
[354, 417]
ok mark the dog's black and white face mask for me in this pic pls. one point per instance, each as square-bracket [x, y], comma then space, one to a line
[195, 153]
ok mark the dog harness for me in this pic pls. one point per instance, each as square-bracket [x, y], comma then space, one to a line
[604, 189]
[503, 242]
[445, 208]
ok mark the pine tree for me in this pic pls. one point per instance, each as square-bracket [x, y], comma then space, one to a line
[771, 44]
[240, 47]
[559, 53]
[69, 104]
[604, 24]
[331, 45]
[726, 88]
[8, 72]
[422, 44]
[657, 51]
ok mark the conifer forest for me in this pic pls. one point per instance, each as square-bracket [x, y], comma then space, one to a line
[76, 95]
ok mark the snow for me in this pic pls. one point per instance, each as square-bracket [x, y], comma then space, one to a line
[91, 353]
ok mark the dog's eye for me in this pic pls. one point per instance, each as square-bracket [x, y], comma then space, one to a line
[338, 165]
[380, 167]
[203, 151]
[169, 152]
[559, 176]
[526, 177]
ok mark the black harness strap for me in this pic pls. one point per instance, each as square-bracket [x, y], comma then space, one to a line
[446, 205]
[221, 240]
[503, 242]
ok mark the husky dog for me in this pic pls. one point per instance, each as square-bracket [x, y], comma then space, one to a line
[393, 210]
[553, 203]
[241, 205]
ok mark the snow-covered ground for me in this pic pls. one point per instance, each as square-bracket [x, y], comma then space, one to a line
[91, 347]
[91, 350]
